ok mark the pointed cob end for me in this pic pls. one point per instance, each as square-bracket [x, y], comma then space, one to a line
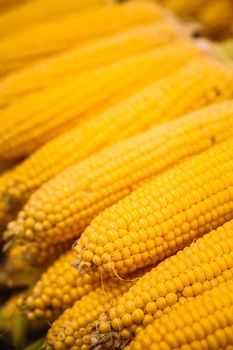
[81, 266]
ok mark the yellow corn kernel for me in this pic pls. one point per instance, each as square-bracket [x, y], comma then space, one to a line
[205, 322]
[160, 211]
[37, 118]
[50, 71]
[56, 35]
[79, 320]
[192, 271]
[39, 11]
[207, 82]
[82, 191]
[57, 289]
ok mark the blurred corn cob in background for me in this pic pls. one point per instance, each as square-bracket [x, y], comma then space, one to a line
[19, 49]
[50, 71]
[28, 13]
[35, 119]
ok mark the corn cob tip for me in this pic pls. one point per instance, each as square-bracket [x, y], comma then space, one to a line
[109, 341]
[81, 266]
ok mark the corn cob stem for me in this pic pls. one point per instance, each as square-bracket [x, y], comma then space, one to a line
[162, 216]
[104, 51]
[205, 322]
[203, 265]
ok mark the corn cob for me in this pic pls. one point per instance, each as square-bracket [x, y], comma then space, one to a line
[86, 188]
[73, 327]
[57, 289]
[205, 322]
[50, 71]
[199, 267]
[208, 82]
[44, 115]
[162, 216]
[35, 42]
[39, 11]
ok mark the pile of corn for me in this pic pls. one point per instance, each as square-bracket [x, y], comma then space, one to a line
[116, 175]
